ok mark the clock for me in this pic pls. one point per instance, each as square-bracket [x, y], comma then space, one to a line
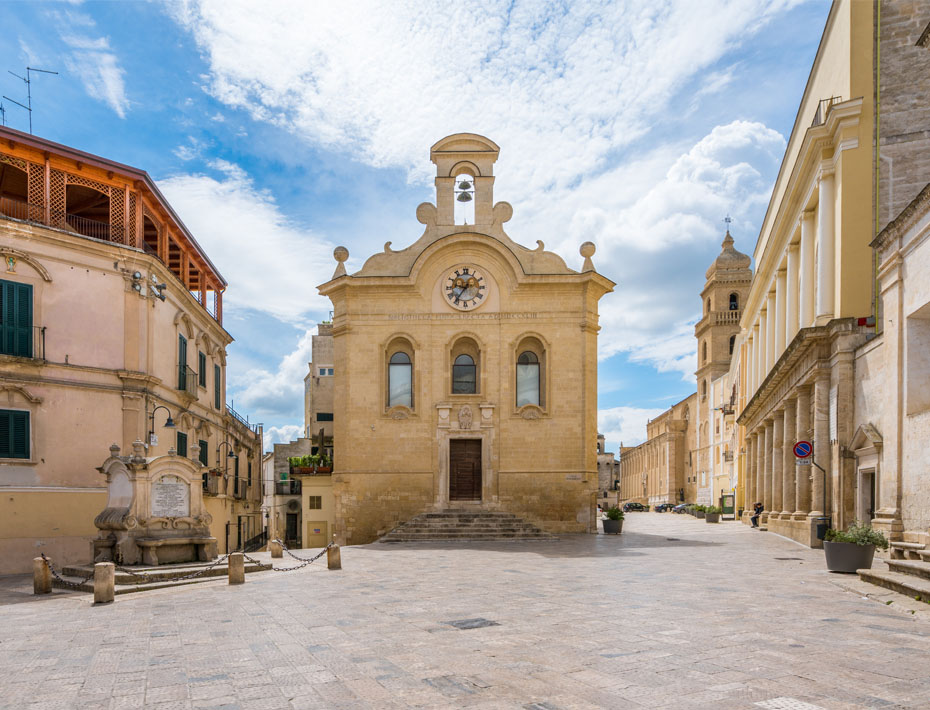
[465, 288]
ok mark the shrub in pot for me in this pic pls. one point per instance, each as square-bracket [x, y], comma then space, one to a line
[852, 549]
[613, 522]
[699, 511]
[712, 513]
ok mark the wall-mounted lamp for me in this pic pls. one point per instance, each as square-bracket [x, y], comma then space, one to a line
[169, 424]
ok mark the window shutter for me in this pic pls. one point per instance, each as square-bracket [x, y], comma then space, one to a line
[250, 473]
[15, 319]
[14, 434]
[217, 390]
[203, 452]
[182, 444]
[202, 369]
[182, 362]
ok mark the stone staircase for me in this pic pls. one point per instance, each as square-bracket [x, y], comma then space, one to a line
[908, 571]
[465, 526]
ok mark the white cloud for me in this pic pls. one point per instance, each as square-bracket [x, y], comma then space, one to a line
[271, 264]
[281, 435]
[92, 60]
[625, 424]
[262, 392]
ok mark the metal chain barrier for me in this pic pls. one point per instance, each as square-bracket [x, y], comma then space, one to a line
[303, 560]
[152, 579]
[71, 585]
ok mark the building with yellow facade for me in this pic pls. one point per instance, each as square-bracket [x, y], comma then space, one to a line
[111, 325]
[465, 368]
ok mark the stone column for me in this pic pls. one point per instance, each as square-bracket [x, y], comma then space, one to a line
[756, 346]
[821, 443]
[760, 464]
[771, 321]
[780, 316]
[778, 433]
[806, 268]
[767, 468]
[791, 295]
[789, 469]
[803, 473]
[748, 464]
[826, 249]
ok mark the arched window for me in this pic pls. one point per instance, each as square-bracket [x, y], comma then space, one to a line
[732, 343]
[703, 388]
[464, 375]
[464, 205]
[708, 305]
[528, 379]
[704, 351]
[734, 301]
[400, 380]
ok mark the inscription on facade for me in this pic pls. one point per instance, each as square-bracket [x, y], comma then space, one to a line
[170, 498]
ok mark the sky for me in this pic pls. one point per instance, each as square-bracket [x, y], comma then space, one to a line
[278, 131]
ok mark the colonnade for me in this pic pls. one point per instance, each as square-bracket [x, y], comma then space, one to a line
[802, 290]
[773, 477]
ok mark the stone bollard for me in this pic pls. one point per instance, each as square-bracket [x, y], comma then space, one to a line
[41, 577]
[236, 568]
[277, 552]
[334, 557]
[104, 582]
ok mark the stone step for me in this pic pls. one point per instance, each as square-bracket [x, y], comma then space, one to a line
[906, 550]
[906, 584]
[542, 538]
[898, 545]
[915, 569]
[463, 526]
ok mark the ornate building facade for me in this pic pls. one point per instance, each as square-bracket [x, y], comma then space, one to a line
[111, 328]
[456, 358]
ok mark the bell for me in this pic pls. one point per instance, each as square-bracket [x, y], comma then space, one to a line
[464, 197]
[464, 185]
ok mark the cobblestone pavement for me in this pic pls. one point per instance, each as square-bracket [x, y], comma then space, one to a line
[674, 613]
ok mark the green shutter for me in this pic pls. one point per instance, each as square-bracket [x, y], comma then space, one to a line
[217, 390]
[202, 369]
[15, 319]
[14, 434]
[182, 444]
[182, 362]
[203, 452]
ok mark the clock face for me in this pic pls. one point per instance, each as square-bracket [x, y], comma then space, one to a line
[465, 288]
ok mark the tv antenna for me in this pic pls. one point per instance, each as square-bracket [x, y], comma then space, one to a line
[2, 114]
[28, 81]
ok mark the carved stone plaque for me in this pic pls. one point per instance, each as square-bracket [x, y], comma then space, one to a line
[171, 498]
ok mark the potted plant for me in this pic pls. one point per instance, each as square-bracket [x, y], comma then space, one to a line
[712, 513]
[613, 521]
[699, 511]
[853, 549]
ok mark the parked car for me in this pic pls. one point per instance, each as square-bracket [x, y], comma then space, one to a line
[680, 508]
[664, 507]
[634, 507]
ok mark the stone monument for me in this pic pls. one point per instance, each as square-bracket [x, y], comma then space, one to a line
[155, 512]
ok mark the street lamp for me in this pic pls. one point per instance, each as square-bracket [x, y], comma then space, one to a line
[230, 454]
[169, 424]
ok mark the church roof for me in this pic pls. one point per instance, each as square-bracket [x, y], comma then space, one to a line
[729, 259]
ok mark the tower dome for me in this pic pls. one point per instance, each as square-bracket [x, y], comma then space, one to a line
[729, 259]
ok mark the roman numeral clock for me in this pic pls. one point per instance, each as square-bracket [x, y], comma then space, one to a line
[465, 288]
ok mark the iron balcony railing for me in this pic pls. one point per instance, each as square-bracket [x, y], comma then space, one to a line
[187, 380]
[291, 487]
[17, 209]
[823, 108]
[239, 487]
[242, 420]
[211, 484]
[23, 341]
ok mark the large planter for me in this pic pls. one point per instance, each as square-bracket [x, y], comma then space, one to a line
[613, 527]
[699, 514]
[847, 556]
[712, 517]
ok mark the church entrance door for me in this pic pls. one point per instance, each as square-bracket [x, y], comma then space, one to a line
[465, 469]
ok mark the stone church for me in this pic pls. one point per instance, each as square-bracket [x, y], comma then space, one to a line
[465, 367]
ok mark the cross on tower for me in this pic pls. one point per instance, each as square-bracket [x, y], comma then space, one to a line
[727, 220]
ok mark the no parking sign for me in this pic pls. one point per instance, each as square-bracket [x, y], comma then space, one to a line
[803, 450]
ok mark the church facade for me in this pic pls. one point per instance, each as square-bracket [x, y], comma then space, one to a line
[465, 367]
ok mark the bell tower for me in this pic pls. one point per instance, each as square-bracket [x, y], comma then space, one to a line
[464, 173]
[728, 281]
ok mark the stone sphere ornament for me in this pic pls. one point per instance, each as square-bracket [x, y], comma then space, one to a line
[587, 251]
[340, 254]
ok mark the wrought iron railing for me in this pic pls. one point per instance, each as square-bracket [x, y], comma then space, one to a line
[187, 380]
[823, 108]
[291, 487]
[23, 341]
[256, 543]
[21, 210]
[242, 420]
[211, 484]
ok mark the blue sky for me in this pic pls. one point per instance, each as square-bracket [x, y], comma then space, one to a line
[279, 130]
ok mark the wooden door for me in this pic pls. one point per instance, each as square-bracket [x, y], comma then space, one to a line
[465, 469]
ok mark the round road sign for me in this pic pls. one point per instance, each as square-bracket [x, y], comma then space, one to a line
[803, 449]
